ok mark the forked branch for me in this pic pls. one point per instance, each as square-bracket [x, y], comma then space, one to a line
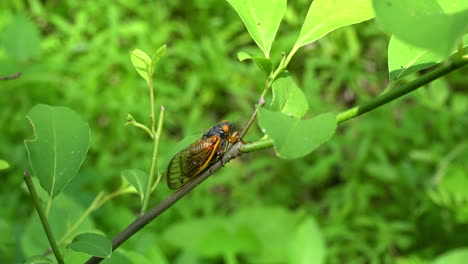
[239, 148]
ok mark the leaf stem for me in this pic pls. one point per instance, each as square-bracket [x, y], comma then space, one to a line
[97, 203]
[154, 158]
[80, 220]
[43, 218]
[140, 125]
[113, 195]
[151, 93]
[291, 54]
[261, 100]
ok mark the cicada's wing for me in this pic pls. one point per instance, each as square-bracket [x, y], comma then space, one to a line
[191, 161]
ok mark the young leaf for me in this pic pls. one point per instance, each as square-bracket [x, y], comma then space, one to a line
[429, 24]
[141, 62]
[157, 55]
[138, 179]
[325, 16]
[92, 244]
[307, 245]
[21, 38]
[61, 143]
[404, 59]
[261, 18]
[288, 97]
[264, 64]
[4, 165]
[294, 138]
[38, 259]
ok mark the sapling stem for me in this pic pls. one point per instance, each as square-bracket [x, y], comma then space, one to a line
[42, 217]
[154, 159]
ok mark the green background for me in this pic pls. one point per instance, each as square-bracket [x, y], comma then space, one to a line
[389, 187]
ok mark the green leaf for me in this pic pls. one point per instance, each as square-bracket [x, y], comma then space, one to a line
[138, 179]
[4, 165]
[264, 64]
[92, 244]
[429, 24]
[307, 245]
[325, 16]
[455, 256]
[38, 259]
[141, 62]
[404, 59]
[61, 142]
[261, 18]
[294, 138]
[21, 38]
[157, 56]
[288, 97]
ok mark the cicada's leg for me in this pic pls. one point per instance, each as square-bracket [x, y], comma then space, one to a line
[221, 150]
[234, 137]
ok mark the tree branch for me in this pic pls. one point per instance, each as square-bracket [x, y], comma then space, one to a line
[239, 148]
[11, 77]
[399, 92]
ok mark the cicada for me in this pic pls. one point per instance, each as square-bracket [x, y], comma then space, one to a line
[200, 155]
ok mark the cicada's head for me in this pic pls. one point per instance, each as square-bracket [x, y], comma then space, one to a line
[222, 129]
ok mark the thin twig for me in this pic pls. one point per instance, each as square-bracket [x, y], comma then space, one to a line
[11, 77]
[260, 103]
[154, 160]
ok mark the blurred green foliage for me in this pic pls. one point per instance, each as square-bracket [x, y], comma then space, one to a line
[389, 187]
